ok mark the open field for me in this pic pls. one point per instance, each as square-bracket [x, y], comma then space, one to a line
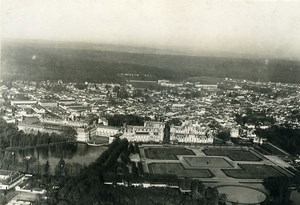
[253, 171]
[167, 153]
[233, 154]
[179, 170]
[207, 162]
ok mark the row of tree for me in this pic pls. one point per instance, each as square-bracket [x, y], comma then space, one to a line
[279, 189]
[10, 136]
[287, 138]
[119, 120]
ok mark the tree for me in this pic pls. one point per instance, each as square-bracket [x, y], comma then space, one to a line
[60, 168]
[3, 199]
[47, 168]
[166, 139]
[175, 121]
[70, 134]
[224, 135]
[223, 199]
[279, 189]
[212, 196]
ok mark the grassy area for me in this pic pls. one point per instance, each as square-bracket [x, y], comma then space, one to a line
[261, 150]
[179, 170]
[272, 150]
[253, 171]
[166, 153]
[233, 154]
[207, 162]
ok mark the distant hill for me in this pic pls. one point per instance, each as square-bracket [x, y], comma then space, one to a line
[102, 63]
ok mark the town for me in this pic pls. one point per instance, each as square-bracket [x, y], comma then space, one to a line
[183, 119]
[194, 112]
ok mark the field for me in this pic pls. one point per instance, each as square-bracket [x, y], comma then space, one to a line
[207, 162]
[167, 153]
[233, 154]
[179, 170]
[253, 171]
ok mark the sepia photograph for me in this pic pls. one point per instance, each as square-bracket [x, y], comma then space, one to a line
[150, 102]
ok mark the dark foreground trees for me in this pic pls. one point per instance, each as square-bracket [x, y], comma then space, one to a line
[278, 188]
[285, 137]
[118, 120]
[89, 187]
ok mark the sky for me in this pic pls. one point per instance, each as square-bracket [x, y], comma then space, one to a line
[269, 28]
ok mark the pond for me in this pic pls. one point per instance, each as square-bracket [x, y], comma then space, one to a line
[79, 154]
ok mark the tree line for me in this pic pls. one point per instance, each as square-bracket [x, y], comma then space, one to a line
[285, 137]
[10, 136]
[119, 120]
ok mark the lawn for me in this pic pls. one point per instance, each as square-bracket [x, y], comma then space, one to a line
[167, 153]
[233, 154]
[253, 171]
[207, 162]
[179, 170]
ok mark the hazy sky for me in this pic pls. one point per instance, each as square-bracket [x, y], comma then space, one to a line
[254, 27]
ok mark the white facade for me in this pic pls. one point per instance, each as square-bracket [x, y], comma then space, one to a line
[63, 122]
[234, 133]
[9, 179]
[107, 131]
[23, 102]
[35, 128]
[19, 202]
[82, 135]
[191, 132]
[150, 132]
[206, 86]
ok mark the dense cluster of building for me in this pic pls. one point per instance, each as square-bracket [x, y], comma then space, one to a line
[202, 109]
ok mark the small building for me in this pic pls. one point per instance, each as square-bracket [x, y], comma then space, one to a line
[19, 202]
[23, 102]
[206, 86]
[9, 179]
